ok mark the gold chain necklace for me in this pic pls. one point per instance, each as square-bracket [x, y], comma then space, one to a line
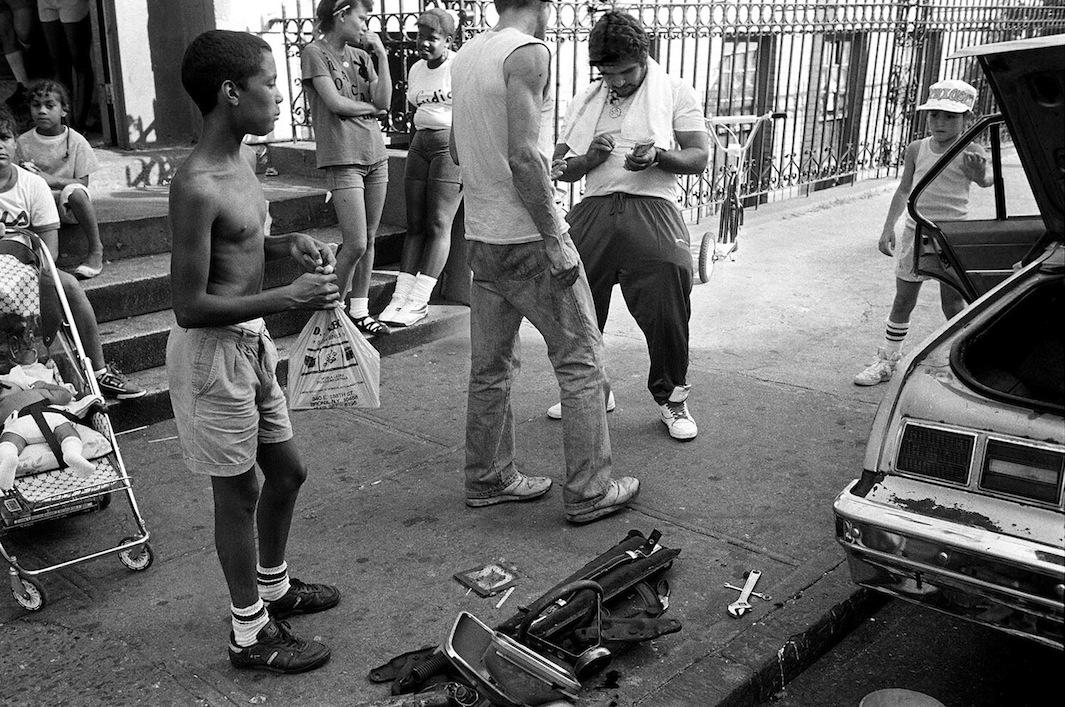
[615, 104]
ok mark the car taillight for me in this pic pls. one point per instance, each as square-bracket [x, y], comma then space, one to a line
[1022, 470]
[936, 453]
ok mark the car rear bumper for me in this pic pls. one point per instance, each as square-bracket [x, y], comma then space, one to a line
[1008, 583]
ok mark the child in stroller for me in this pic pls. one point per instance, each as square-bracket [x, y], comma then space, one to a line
[34, 405]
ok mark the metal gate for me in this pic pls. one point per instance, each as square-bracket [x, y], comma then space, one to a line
[848, 73]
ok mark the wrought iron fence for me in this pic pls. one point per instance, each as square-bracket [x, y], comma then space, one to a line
[847, 73]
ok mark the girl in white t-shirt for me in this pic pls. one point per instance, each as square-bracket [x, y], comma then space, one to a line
[64, 158]
[433, 184]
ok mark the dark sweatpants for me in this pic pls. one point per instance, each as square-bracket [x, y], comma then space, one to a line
[642, 243]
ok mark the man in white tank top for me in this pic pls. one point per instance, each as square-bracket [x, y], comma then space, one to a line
[524, 267]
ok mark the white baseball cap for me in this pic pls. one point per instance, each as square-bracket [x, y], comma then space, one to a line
[951, 95]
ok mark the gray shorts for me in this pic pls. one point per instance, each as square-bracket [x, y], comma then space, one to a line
[68, 11]
[356, 176]
[904, 269]
[225, 394]
[904, 256]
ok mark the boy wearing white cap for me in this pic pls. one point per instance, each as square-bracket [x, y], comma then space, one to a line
[949, 108]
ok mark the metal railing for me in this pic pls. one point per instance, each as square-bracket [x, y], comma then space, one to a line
[848, 73]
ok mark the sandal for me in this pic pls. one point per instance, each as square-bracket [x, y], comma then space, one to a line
[370, 326]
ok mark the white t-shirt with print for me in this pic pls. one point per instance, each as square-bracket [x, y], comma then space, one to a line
[429, 91]
[68, 155]
[29, 203]
[612, 177]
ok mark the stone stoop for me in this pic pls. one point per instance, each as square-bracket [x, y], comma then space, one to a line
[132, 295]
[444, 320]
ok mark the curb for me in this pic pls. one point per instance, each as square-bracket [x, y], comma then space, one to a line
[805, 205]
[796, 205]
[756, 664]
[803, 649]
[155, 405]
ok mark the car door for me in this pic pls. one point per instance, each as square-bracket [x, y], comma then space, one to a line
[1014, 220]
[1003, 226]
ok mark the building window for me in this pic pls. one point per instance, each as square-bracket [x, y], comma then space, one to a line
[737, 88]
[835, 72]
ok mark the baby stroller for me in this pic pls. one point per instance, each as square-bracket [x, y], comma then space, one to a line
[47, 485]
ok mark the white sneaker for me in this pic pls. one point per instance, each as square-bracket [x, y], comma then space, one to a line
[409, 314]
[555, 411]
[391, 310]
[676, 417]
[879, 370]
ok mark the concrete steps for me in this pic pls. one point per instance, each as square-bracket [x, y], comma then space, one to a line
[132, 295]
[444, 320]
[140, 284]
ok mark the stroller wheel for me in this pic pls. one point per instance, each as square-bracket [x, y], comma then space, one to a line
[32, 596]
[136, 558]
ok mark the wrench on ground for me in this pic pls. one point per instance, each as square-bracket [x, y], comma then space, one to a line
[741, 606]
[764, 597]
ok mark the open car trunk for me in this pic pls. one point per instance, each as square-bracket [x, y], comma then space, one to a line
[1030, 370]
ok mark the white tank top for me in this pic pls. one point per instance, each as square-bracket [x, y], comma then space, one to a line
[494, 212]
[947, 197]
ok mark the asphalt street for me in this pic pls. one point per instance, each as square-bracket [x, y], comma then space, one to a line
[903, 647]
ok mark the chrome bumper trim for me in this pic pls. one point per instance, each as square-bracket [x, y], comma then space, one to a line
[889, 561]
[1004, 548]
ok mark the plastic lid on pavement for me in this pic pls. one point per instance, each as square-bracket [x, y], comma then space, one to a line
[899, 697]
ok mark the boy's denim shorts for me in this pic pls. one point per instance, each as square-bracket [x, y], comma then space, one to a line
[225, 394]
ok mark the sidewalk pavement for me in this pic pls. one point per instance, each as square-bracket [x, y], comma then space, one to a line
[776, 338]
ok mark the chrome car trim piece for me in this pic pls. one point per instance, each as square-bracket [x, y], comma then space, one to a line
[888, 561]
[952, 608]
[992, 272]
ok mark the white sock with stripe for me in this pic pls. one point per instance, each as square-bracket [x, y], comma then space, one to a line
[273, 581]
[247, 622]
[894, 334]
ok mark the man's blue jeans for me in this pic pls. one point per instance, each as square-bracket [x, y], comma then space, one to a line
[512, 282]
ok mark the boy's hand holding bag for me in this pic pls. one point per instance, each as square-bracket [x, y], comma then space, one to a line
[333, 366]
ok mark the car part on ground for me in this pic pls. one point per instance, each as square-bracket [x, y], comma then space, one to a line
[572, 631]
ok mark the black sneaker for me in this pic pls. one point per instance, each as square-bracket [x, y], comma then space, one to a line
[278, 650]
[114, 385]
[303, 598]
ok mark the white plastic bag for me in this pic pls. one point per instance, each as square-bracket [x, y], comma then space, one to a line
[333, 366]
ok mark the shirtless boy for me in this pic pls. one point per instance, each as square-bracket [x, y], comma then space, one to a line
[220, 359]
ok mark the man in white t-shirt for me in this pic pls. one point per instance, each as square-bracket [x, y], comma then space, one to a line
[629, 134]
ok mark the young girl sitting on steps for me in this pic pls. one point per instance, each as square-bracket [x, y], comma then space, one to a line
[64, 158]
